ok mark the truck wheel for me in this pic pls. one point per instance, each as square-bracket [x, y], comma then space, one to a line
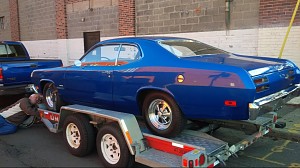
[112, 147]
[162, 115]
[51, 98]
[79, 135]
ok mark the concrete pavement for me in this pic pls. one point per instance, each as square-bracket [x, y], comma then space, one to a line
[291, 115]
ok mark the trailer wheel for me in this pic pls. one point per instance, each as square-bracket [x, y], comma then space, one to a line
[51, 98]
[79, 135]
[162, 115]
[112, 147]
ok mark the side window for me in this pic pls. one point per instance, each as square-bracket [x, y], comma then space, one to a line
[102, 56]
[128, 54]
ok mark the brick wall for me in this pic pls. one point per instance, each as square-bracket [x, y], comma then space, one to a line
[60, 18]
[37, 19]
[127, 17]
[95, 16]
[5, 34]
[277, 13]
[175, 16]
[14, 20]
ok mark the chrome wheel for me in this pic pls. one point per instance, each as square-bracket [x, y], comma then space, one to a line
[73, 135]
[110, 149]
[50, 97]
[160, 114]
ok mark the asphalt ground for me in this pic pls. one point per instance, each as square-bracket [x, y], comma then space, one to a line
[37, 147]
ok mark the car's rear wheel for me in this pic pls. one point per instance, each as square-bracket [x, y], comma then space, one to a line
[162, 115]
[51, 97]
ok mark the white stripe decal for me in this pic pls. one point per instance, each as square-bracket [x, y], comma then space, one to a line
[177, 145]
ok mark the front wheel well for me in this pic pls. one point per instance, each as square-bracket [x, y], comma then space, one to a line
[144, 93]
[42, 85]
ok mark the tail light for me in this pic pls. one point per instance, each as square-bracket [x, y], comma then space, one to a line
[191, 164]
[201, 159]
[184, 163]
[260, 80]
[1, 74]
[262, 88]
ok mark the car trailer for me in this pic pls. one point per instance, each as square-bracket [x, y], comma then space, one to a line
[121, 140]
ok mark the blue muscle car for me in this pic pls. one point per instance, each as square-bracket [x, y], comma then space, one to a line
[170, 80]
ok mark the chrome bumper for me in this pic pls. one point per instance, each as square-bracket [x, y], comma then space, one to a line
[272, 102]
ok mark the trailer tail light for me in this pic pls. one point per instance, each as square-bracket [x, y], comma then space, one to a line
[201, 159]
[211, 166]
[184, 163]
[191, 164]
[1, 74]
[230, 103]
[275, 118]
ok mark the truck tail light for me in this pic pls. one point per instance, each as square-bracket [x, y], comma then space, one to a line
[1, 74]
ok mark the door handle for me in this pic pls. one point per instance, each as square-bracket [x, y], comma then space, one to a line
[33, 66]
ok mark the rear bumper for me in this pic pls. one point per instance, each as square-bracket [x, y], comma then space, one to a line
[272, 102]
[13, 90]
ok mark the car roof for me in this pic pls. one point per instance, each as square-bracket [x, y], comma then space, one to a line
[143, 38]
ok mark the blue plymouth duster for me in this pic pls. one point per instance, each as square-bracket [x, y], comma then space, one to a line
[169, 81]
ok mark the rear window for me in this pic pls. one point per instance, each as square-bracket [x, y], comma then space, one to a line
[189, 48]
[11, 51]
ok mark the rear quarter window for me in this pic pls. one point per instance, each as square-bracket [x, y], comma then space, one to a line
[12, 51]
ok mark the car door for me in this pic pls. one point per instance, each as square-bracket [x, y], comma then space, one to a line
[127, 79]
[91, 82]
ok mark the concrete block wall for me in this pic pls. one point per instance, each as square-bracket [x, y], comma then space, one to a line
[5, 34]
[178, 16]
[37, 19]
[103, 17]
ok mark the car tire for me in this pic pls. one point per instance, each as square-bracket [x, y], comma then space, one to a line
[51, 97]
[112, 147]
[79, 135]
[165, 121]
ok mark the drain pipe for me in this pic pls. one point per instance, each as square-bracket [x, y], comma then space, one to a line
[227, 13]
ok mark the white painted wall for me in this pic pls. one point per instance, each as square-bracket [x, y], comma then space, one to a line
[68, 50]
[270, 41]
[262, 41]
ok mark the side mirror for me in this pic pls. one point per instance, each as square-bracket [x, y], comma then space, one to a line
[77, 63]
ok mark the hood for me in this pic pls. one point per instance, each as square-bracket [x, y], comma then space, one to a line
[254, 65]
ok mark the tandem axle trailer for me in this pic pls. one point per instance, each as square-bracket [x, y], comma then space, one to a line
[121, 140]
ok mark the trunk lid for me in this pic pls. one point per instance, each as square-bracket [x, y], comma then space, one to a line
[270, 75]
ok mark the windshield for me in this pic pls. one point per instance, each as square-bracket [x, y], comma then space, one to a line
[189, 48]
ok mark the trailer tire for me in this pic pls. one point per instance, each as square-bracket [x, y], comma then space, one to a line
[112, 147]
[158, 121]
[51, 97]
[79, 135]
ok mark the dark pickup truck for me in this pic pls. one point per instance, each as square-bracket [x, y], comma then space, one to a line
[16, 67]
